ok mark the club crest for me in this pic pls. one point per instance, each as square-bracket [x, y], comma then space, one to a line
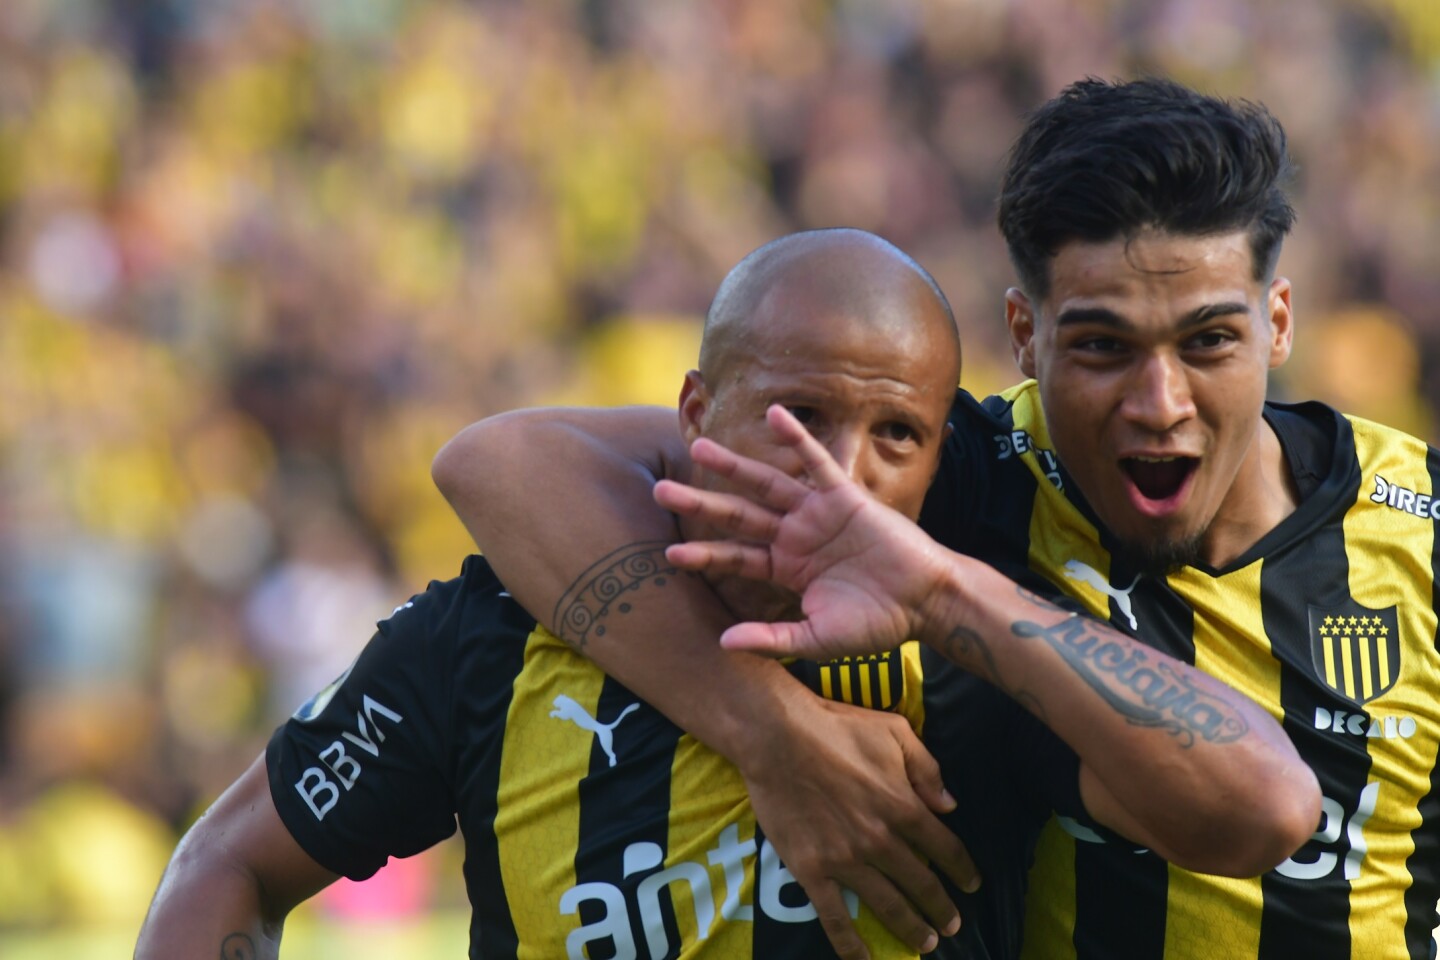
[876, 681]
[1356, 650]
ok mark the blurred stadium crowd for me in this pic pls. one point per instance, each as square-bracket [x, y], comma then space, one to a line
[259, 259]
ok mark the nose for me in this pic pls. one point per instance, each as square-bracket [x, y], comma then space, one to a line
[1158, 395]
[849, 449]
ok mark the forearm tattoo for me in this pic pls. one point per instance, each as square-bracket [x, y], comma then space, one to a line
[1138, 685]
[237, 946]
[1144, 690]
[962, 643]
[607, 589]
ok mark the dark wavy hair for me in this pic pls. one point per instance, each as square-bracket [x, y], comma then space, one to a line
[1106, 160]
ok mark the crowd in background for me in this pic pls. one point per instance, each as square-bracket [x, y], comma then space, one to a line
[259, 259]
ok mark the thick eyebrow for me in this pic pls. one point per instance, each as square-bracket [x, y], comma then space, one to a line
[1104, 317]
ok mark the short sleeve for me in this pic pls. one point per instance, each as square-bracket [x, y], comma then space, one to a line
[360, 773]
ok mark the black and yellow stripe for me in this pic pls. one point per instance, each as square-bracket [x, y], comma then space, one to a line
[659, 855]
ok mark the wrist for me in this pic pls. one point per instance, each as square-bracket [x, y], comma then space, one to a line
[750, 703]
[954, 609]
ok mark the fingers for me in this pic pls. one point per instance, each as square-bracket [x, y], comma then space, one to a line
[761, 481]
[782, 639]
[820, 467]
[927, 834]
[924, 773]
[829, 902]
[949, 855]
[890, 907]
[733, 514]
[721, 558]
[908, 897]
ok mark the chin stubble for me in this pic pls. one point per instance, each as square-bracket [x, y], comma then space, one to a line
[1162, 557]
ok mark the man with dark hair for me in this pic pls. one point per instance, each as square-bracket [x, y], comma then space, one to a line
[1286, 549]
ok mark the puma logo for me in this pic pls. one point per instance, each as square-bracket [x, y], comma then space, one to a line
[567, 709]
[1078, 570]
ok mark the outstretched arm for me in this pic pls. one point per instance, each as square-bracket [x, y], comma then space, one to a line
[1182, 763]
[233, 879]
[560, 501]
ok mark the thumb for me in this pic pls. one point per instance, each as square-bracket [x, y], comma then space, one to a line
[782, 639]
[754, 638]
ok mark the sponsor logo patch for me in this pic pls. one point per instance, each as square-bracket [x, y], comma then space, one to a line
[316, 705]
[1019, 442]
[1355, 650]
[1405, 500]
[567, 709]
[1084, 573]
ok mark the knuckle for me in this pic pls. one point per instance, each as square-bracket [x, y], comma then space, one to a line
[872, 840]
[833, 864]
[930, 896]
[900, 918]
[915, 820]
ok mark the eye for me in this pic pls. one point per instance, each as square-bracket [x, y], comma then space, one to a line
[806, 415]
[1104, 346]
[897, 432]
[1211, 339]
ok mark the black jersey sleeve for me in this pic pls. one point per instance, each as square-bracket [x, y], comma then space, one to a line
[360, 773]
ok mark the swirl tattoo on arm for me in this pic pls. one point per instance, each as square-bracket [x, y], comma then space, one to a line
[597, 593]
[961, 642]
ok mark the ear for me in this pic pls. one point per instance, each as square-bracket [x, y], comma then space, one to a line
[1020, 319]
[1282, 321]
[694, 403]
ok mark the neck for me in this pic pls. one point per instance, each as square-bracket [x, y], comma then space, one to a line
[1263, 494]
[747, 600]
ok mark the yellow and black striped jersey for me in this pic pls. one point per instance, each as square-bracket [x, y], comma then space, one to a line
[593, 826]
[1328, 622]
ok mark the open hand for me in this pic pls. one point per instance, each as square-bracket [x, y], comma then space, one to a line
[864, 572]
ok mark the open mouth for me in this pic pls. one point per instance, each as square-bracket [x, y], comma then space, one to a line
[1159, 478]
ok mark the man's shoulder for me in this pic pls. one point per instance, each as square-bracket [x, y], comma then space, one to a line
[474, 601]
[997, 407]
[1341, 462]
[1374, 438]
[1321, 434]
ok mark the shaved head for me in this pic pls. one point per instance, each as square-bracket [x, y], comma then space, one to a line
[857, 342]
[825, 274]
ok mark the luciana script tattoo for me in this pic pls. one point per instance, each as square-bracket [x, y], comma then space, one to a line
[1145, 691]
[237, 946]
[606, 590]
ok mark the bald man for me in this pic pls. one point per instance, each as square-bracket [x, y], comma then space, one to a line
[593, 826]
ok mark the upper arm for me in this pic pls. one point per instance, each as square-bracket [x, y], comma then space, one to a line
[545, 492]
[494, 457]
[243, 834]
